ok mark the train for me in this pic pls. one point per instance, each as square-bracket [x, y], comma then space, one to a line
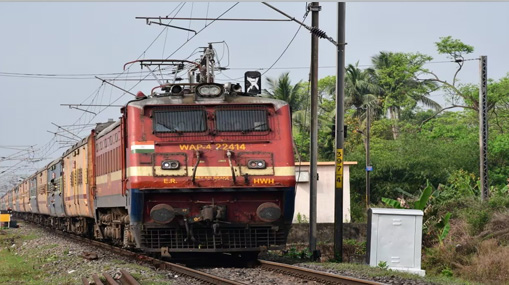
[196, 166]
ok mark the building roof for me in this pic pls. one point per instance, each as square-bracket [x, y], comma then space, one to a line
[325, 163]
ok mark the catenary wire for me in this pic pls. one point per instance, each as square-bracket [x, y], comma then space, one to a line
[91, 75]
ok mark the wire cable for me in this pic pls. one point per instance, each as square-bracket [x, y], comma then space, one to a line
[288, 45]
[206, 26]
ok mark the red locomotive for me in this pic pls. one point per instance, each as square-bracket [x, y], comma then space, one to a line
[194, 167]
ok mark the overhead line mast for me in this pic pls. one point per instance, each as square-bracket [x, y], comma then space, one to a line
[483, 128]
[315, 8]
[340, 135]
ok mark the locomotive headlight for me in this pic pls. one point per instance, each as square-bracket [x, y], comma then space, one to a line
[256, 164]
[209, 90]
[268, 212]
[176, 89]
[162, 213]
[170, 165]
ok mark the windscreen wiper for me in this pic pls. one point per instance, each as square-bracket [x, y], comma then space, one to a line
[255, 128]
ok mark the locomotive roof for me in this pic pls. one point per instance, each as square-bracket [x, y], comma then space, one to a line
[190, 99]
[107, 129]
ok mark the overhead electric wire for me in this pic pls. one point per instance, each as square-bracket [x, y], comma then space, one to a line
[91, 75]
[139, 81]
[62, 75]
[288, 45]
[189, 27]
[118, 98]
[157, 37]
[181, 4]
[179, 7]
[47, 147]
[84, 119]
[328, 66]
[206, 26]
[282, 53]
[15, 147]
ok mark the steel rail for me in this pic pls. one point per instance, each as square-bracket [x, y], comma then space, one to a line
[127, 278]
[97, 280]
[109, 279]
[314, 275]
[160, 264]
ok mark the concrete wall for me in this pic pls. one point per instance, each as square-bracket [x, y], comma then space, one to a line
[325, 198]
[325, 232]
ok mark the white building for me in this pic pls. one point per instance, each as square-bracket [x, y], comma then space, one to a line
[325, 187]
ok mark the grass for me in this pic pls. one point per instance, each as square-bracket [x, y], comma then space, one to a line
[373, 272]
[490, 264]
[29, 237]
[134, 270]
[38, 266]
[477, 247]
[118, 261]
[15, 269]
[48, 246]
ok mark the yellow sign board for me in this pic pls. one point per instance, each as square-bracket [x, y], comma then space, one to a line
[5, 217]
[339, 168]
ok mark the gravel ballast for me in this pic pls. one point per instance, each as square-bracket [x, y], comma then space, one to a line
[64, 261]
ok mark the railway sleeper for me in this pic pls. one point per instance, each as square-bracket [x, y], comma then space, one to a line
[124, 278]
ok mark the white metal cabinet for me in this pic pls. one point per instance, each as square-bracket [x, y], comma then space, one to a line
[395, 237]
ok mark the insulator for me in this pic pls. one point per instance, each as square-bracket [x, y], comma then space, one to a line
[319, 33]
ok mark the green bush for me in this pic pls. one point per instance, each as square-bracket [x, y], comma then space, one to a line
[295, 253]
[447, 272]
[302, 219]
[499, 199]
[477, 219]
[354, 247]
[358, 211]
[383, 265]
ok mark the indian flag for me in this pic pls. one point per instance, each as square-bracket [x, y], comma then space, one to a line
[142, 147]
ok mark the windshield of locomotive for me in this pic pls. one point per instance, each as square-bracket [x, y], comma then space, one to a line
[176, 121]
[241, 121]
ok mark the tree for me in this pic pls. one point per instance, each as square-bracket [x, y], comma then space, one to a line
[454, 48]
[282, 89]
[445, 145]
[460, 96]
[361, 90]
[397, 75]
[467, 95]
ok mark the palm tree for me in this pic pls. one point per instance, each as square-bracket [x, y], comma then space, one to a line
[301, 121]
[396, 75]
[360, 90]
[282, 89]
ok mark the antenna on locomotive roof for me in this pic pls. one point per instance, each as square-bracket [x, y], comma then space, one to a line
[207, 65]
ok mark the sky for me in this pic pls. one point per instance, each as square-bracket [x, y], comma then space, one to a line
[67, 39]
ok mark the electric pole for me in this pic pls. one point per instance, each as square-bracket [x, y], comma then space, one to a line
[316, 33]
[368, 166]
[315, 9]
[483, 128]
[340, 136]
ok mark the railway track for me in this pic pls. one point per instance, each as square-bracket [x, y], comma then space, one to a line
[125, 279]
[160, 264]
[285, 269]
[313, 275]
